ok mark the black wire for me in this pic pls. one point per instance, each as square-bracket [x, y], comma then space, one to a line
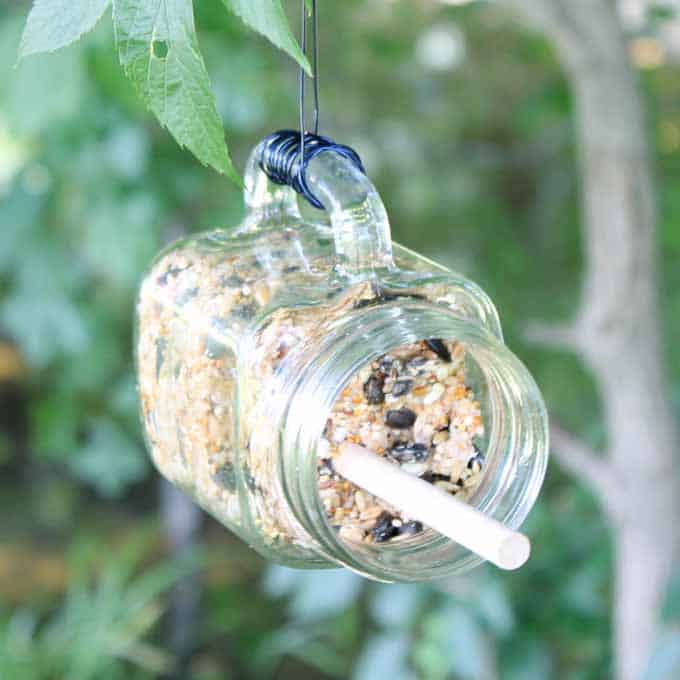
[284, 155]
[282, 160]
[303, 44]
[315, 70]
[315, 66]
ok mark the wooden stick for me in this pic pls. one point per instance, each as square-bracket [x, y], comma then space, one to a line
[483, 535]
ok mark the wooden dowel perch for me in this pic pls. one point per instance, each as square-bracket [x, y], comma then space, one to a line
[483, 535]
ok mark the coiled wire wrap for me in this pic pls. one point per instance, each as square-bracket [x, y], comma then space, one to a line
[280, 159]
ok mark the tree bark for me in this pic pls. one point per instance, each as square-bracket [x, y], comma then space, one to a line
[617, 328]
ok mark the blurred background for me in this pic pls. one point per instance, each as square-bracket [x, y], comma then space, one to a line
[465, 122]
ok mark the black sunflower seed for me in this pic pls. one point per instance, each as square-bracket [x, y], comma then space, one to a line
[439, 348]
[225, 477]
[384, 529]
[414, 366]
[400, 419]
[185, 296]
[162, 280]
[407, 453]
[402, 387]
[390, 366]
[382, 296]
[476, 460]
[326, 467]
[386, 364]
[214, 349]
[410, 528]
[432, 477]
[365, 302]
[373, 389]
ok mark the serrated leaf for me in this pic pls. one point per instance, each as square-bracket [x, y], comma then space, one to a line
[158, 50]
[268, 18]
[53, 24]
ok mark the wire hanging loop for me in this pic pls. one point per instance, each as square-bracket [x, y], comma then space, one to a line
[285, 155]
[284, 159]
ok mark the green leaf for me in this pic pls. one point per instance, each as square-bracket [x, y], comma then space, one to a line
[53, 24]
[268, 18]
[158, 50]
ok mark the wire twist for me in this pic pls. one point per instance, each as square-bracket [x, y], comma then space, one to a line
[284, 158]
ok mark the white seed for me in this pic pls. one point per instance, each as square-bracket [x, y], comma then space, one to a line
[440, 437]
[434, 394]
[442, 372]
[323, 448]
[351, 533]
[339, 435]
[446, 486]
[371, 513]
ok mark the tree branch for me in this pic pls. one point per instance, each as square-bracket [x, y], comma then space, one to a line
[583, 462]
[557, 335]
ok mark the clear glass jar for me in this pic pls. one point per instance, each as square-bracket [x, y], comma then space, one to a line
[247, 337]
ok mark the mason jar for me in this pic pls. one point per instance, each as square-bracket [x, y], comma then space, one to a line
[248, 338]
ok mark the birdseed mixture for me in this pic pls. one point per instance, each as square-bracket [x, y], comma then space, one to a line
[413, 407]
[203, 407]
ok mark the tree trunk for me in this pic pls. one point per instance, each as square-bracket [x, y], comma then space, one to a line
[181, 524]
[617, 328]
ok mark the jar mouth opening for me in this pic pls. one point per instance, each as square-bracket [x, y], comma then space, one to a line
[501, 492]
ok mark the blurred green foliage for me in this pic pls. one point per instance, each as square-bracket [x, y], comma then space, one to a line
[474, 156]
[97, 629]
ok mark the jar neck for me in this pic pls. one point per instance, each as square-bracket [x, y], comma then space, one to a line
[517, 437]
